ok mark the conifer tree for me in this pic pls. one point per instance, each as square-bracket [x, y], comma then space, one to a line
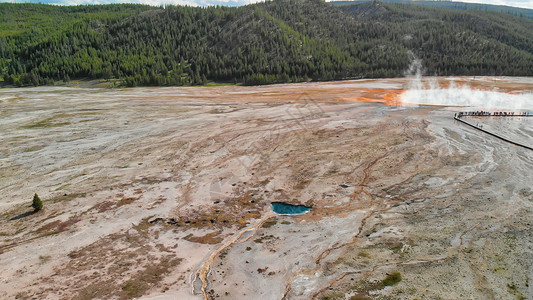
[37, 203]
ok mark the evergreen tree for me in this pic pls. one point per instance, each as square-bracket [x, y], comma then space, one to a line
[37, 204]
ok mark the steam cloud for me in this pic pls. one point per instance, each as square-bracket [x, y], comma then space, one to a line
[428, 92]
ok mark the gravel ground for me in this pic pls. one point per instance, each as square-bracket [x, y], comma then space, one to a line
[164, 193]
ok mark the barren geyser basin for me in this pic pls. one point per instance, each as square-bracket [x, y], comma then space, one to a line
[167, 193]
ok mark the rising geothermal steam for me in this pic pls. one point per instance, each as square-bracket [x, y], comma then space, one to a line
[428, 92]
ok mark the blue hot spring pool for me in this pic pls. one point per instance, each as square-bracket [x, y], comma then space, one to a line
[289, 209]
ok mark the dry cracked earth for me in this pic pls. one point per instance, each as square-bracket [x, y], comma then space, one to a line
[165, 193]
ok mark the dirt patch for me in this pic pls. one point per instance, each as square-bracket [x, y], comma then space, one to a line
[119, 265]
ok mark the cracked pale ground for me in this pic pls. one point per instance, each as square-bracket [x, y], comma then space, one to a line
[164, 193]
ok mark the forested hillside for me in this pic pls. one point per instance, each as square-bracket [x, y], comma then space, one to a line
[517, 11]
[277, 41]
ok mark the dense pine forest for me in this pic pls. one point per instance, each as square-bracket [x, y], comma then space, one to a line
[517, 11]
[275, 41]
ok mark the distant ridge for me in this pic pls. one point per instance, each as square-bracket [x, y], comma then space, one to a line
[517, 11]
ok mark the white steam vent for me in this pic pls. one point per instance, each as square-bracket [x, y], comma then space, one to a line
[432, 94]
[426, 91]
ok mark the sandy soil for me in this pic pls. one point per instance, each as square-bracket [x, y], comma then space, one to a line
[164, 193]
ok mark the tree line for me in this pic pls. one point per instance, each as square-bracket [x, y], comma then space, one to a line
[272, 42]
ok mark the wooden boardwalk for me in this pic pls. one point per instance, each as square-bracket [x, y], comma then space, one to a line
[485, 114]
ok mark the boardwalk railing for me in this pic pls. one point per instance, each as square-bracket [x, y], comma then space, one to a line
[481, 113]
[458, 117]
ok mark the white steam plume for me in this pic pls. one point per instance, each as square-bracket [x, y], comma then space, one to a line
[414, 72]
[427, 91]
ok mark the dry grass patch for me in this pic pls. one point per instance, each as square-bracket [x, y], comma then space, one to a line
[210, 238]
[269, 224]
[57, 226]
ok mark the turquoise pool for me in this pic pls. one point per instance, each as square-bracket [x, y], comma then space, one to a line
[289, 209]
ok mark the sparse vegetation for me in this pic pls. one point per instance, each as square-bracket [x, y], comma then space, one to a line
[302, 184]
[360, 297]
[141, 282]
[337, 295]
[57, 226]
[513, 289]
[119, 274]
[395, 247]
[210, 238]
[264, 238]
[126, 200]
[269, 224]
[363, 254]
[44, 258]
[392, 279]
[364, 287]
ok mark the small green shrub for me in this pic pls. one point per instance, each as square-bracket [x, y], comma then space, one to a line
[392, 279]
[37, 204]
